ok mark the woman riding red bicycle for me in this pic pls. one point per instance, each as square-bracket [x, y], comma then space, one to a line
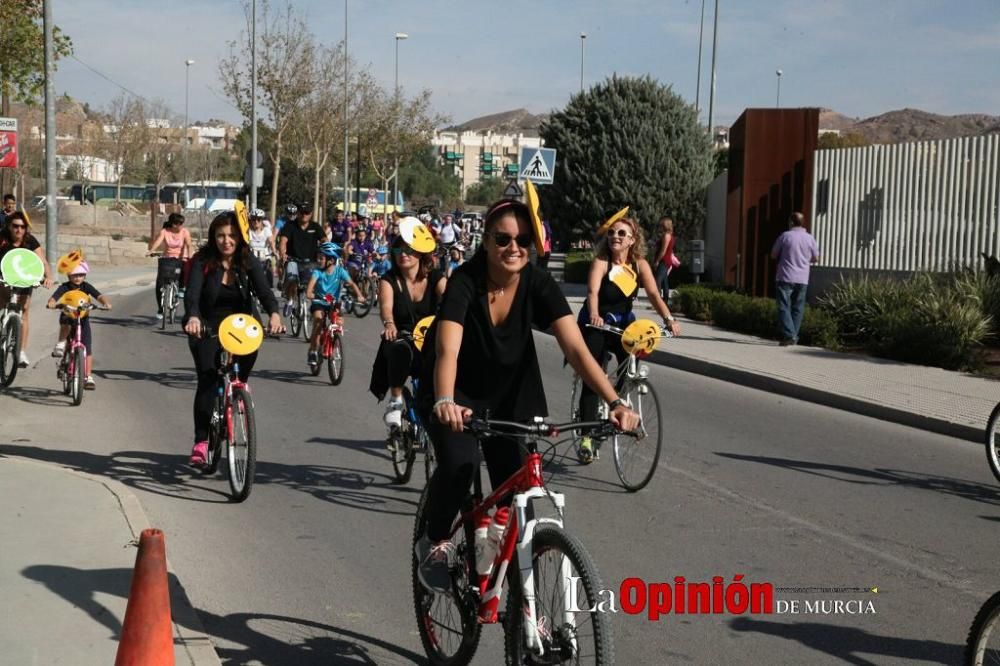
[480, 357]
[224, 278]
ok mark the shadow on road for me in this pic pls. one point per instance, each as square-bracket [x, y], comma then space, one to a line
[293, 376]
[969, 490]
[38, 396]
[260, 637]
[849, 644]
[174, 380]
[169, 476]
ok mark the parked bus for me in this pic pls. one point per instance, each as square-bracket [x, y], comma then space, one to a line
[208, 195]
[362, 195]
[96, 192]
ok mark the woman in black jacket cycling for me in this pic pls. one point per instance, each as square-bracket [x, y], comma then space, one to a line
[224, 276]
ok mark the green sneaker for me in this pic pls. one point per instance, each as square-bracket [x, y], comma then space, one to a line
[585, 454]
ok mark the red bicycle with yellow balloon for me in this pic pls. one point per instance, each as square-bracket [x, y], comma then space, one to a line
[636, 454]
[233, 429]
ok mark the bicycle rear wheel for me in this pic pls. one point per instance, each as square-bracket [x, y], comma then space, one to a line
[448, 623]
[983, 645]
[993, 442]
[78, 375]
[403, 455]
[306, 317]
[242, 451]
[10, 349]
[568, 635]
[636, 457]
[335, 361]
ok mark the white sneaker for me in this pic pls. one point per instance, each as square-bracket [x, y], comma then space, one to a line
[23, 362]
[59, 349]
[394, 414]
[159, 316]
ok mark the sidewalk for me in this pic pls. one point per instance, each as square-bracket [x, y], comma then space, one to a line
[950, 403]
[68, 552]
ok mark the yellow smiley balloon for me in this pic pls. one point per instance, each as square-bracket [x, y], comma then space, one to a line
[531, 194]
[240, 334]
[69, 261]
[75, 298]
[420, 332]
[416, 234]
[244, 219]
[640, 337]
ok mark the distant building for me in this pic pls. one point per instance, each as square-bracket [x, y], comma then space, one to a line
[477, 155]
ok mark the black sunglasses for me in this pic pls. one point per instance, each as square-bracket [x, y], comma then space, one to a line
[621, 233]
[409, 251]
[503, 240]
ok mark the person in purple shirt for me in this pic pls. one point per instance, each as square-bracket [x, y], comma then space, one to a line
[794, 250]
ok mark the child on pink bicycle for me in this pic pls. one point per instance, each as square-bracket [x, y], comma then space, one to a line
[77, 281]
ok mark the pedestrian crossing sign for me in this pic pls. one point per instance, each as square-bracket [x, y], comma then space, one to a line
[538, 164]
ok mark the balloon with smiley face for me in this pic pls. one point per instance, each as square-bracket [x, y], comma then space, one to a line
[22, 268]
[69, 261]
[416, 235]
[420, 332]
[244, 220]
[75, 298]
[240, 334]
[640, 337]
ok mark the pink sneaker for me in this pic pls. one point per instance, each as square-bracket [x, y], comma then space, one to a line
[199, 454]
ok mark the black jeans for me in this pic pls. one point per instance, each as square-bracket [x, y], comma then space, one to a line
[599, 343]
[458, 459]
[205, 352]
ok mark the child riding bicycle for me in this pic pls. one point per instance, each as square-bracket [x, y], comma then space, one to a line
[77, 281]
[328, 279]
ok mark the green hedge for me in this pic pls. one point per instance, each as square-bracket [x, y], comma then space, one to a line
[577, 266]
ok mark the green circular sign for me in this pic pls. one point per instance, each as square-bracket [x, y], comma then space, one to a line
[22, 268]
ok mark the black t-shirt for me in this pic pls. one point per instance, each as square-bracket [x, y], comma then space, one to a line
[229, 301]
[302, 243]
[84, 286]
[497, 365]
[29, 243]
[405, 312]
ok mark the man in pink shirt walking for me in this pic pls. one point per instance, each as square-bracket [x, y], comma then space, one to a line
[794, 250]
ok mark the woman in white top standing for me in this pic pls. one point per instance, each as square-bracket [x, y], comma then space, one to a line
[262, 243]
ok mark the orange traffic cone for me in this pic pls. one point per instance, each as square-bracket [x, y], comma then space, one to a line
[147, 636]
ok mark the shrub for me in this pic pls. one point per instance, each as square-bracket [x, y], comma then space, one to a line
[696, 301]
[577, 267]
[819, 329]
[754, 316]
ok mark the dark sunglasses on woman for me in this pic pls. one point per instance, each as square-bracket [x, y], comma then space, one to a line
[503, 240]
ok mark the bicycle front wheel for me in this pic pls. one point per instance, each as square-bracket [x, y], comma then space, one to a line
[636, 456]
[403, 455]
[993, 442]
[10, 350]
[983, 644]
[362, 309]
[242, 451]
[79, 373]
[448, 623]
[568, 635]
[335, 361]
[294, 322]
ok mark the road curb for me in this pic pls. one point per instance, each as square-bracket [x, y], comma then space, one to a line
[188, 631]
[791, 389]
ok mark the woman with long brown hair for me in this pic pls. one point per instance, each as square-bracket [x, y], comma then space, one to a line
[618, 270]
[16, 233]
[224, 277]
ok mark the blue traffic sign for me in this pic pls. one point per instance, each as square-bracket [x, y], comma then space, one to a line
[538, 164]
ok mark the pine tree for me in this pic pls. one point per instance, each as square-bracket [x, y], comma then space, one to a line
[627, 142]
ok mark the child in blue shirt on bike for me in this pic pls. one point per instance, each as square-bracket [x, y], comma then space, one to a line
[328, 279]
[381, 265]
[78, 281]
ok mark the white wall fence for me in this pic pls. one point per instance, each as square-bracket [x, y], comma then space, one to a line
[908, 207]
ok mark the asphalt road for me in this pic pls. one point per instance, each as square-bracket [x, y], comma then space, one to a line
[314, 567]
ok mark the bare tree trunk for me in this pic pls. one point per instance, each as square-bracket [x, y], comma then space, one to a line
[5, 112]
[276, 176]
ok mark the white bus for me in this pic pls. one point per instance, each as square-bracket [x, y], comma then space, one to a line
[208, 195]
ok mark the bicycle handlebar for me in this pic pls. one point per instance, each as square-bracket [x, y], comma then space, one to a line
[608, 328]
[486, 426]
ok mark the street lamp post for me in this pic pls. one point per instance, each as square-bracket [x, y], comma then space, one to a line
[187, 79]
[777, 98]
[395, 177]
[583, 40]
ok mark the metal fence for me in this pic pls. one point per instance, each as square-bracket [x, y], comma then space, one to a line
[908, 207]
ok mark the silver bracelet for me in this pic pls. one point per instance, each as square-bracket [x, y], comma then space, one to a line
[446, 400]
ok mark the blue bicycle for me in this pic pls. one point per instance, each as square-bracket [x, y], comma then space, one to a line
[410, 438]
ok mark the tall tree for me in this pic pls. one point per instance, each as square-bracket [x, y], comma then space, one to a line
[126, 137]
[627, 142]
[285, 69]
[22, 53]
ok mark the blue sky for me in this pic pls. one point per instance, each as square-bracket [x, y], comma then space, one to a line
[858, 57]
